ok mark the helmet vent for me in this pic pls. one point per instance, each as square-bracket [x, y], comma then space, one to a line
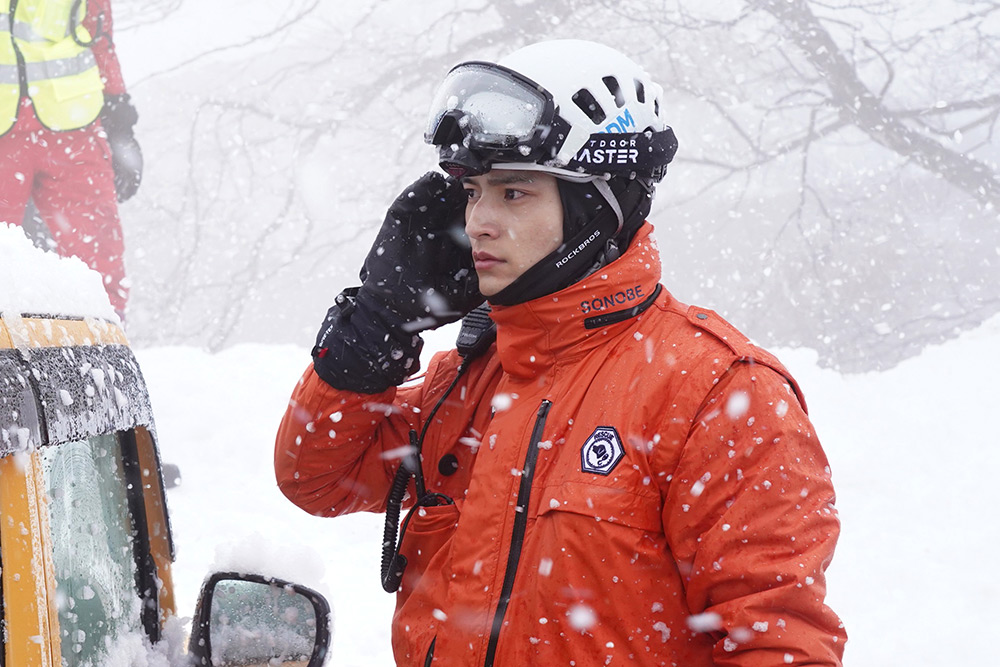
[588, 105]
[640, 92]
[656, 107]
[616, 90]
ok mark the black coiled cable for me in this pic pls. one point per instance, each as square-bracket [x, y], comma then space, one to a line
[393, 562]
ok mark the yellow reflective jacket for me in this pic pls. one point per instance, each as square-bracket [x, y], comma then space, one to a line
[61, 73]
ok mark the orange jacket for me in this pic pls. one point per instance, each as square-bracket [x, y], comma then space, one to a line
[643, 490]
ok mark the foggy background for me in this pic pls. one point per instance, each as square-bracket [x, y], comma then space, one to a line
[835, 188]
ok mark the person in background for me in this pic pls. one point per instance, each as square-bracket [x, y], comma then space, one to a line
[66, 130]
[598, 474]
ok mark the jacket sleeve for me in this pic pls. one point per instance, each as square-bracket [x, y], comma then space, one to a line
[98, 23]
[337, 451]
[749, 516]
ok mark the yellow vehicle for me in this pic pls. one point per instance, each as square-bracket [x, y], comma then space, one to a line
[85, 537]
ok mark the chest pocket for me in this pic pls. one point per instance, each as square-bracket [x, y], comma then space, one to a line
[594, 471]
[626, 507]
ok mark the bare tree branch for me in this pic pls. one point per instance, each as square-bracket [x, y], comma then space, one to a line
[856, 102]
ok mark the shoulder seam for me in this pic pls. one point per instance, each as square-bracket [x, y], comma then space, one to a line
[745, 351]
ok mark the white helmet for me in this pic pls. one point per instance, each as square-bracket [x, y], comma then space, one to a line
[575, 108]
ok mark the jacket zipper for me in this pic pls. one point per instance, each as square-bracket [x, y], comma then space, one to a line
[520, 525]
[430, 653]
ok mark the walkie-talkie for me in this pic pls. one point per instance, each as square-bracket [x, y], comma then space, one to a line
[477, 334]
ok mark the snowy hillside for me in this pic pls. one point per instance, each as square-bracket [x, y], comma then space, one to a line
[912, 457]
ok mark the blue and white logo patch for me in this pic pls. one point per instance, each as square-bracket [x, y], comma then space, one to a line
[602, 451]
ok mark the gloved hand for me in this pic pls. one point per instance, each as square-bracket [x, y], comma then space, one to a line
[420, 267]
[418, 275]
[118, 117]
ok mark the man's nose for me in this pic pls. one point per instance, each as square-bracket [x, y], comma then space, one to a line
[481, 218]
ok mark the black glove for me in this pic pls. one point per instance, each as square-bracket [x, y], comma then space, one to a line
[418, 275]
[420, 267]
[118, 117]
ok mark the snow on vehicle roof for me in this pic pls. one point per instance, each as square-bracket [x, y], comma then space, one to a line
[35, 282]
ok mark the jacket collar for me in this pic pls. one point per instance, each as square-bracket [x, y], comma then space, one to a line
[536, 335]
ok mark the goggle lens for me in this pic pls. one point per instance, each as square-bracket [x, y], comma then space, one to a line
[497, 110]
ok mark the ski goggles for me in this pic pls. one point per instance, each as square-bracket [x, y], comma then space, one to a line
[493, 111]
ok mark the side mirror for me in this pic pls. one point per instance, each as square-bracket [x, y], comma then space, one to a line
[248, 619]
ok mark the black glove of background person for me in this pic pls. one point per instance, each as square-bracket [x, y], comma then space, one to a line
[118, 117]
[418, 275]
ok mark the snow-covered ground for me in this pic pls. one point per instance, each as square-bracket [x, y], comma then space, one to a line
[914, 579]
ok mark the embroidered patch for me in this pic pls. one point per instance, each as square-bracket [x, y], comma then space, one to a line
[602, 451]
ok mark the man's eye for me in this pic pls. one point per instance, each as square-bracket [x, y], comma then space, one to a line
[513, 194]
[470, 193]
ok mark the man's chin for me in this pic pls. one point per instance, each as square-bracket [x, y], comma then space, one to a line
[489, 287]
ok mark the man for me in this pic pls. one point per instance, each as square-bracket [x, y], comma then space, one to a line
[618, 478]
[66, 140]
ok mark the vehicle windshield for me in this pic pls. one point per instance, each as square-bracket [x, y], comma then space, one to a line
[94, 565]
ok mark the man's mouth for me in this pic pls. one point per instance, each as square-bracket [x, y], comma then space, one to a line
[484, 260]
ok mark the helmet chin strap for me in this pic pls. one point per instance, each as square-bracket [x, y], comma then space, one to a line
[605, 190]
[611, 250]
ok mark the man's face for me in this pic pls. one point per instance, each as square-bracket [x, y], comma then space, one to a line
[513, 219]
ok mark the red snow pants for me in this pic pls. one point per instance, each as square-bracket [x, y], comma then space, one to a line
[69, 177]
